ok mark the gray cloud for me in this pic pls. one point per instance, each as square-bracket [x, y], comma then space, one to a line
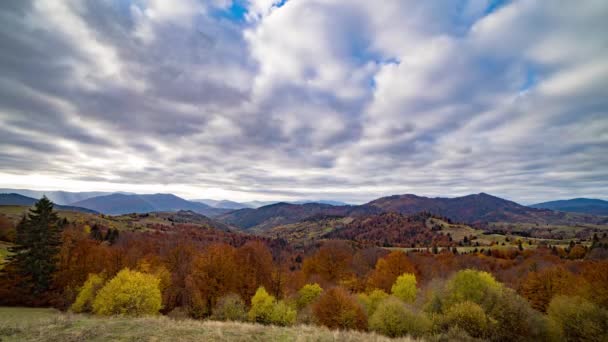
[347, 100]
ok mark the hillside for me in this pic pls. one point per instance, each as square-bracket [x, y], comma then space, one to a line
[20, 200]
[119, 204]
[480, 210]
[278, 214]
[576, 205]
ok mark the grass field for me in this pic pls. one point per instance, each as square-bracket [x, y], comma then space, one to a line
[27, 324]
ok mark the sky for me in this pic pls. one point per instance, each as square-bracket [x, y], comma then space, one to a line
[306, 99]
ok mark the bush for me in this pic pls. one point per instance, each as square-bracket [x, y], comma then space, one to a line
[471, 285]
[307, 294]
[337, 309]
[129, 293]
[405, 287]
[371, 301]
[262, 305]
[468, 316]
[282, 314]
[230, 308]
[393, 319]
[84, 300]
[576, 319]
[515, 320]
[266, 310]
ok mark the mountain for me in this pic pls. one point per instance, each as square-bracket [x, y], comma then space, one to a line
[277, 214]
[479, 209]
[225, 204]
[58, 197]
[118, 204]
[330, 202]
[20, 200]
[576, 205]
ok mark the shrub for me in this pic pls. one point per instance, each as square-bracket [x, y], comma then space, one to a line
[337, 309]
[262, 305]
[230, 308]
[405, 287]
[468, 316]
[393, 319]
[471, 285]
[307, 294]
[371, 301]
[282, 314]
[266, 310]
[129, 293]
[576, 319]
[84, 300]
[515, 320]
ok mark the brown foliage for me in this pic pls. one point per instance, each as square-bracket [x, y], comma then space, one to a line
[540, 287]
[388, 269]
[337, 309]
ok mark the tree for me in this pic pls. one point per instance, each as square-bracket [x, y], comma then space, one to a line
[307, 294]
[576, 319]
[331, 262]
[540, 287]
[394, 319]
[471, 285]
[470, 317]
[405, 287]
[266, 310]
[337, 309]
[230, 308]
[262, 305]
[370, 301]
[129, 293]
[37, 241]
[86, 296]
[388, 269]
[255, 267]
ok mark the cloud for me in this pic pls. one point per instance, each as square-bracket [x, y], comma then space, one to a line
[347, 100]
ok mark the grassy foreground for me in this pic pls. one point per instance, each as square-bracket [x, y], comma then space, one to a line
[27, 324]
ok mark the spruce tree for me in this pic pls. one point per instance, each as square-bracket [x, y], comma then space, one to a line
[37, 244]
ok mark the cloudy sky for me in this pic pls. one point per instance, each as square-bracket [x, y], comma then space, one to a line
[333, 99]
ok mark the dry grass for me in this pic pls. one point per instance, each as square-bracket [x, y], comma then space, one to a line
[23, 324]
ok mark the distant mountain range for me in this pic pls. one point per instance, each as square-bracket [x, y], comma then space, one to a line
[58, 197]
[477, 209]
[119, 204]
[257, 204]
[285, 213]
[16, 199]
[577, 205]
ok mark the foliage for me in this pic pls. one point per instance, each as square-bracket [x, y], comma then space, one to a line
[405, 288]
[38, 239]
[262, 305]
[230, 308]
[393, 319]
[388, 269]
[514, 319]
[337, 309]
[129, 293]
[307, 294]
[470, 317]
[540, 287]
[282, 314]
[370, 301]
[266, 310]
[84, 300]
[576, 319]
[471, 285]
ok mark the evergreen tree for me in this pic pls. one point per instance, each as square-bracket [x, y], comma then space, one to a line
[37, 244]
